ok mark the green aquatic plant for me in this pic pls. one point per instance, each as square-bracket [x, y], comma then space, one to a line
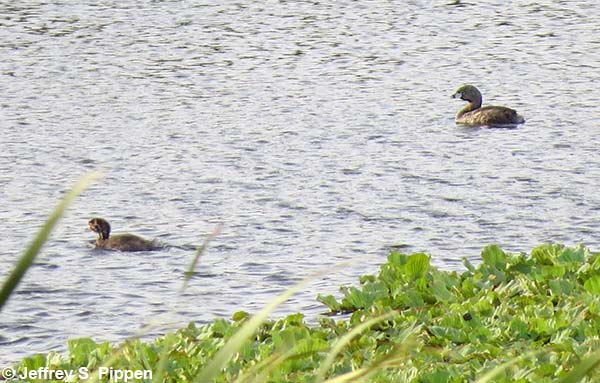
[509, 305]
[511, 318]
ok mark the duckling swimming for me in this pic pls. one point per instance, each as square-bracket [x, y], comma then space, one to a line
[473, 114]
[121, 242]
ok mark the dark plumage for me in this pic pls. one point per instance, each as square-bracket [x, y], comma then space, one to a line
[473, 114]
[121, 242]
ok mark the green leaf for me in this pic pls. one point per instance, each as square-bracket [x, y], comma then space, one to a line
[575, 256]
[397, 258]
[593, 285]
[560, 287]
[440, 292]
[289, 337]
[330, 302]
[417, 266]
[452, 334]
[34, 362]
[437, 376]
[547, 254]
[240, 316]
[468, 265]
[494, 257]
[80, 350]
[551, 271]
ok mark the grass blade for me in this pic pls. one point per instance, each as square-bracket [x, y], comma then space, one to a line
[582, 369]
[493, 373]
[393, 359]
[343, 341]
[260, 371]
[38, 241]
[161, 368]
[212, 369]
[190, 271]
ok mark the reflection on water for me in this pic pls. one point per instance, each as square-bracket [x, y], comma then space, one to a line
[317, 133]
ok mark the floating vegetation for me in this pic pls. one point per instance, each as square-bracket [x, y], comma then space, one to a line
[512, 318]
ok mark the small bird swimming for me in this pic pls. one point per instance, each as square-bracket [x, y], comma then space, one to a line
[120, 242]
[475, 115]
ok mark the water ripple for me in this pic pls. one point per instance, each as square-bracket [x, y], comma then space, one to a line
[317, 133]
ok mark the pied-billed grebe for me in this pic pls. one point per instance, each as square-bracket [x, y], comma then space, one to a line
[474, 114]
[121, 242]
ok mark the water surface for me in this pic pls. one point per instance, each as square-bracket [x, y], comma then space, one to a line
[317, 133]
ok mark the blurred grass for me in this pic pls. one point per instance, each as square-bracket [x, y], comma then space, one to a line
[219, 361]
[192, 267]
[33, 249]
[585, 367]
[344, 340]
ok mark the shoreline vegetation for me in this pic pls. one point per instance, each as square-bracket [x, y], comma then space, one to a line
[512, 318]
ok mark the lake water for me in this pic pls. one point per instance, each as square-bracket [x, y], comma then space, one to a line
[317, 132]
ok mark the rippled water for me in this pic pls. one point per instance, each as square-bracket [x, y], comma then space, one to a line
[317, 133]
